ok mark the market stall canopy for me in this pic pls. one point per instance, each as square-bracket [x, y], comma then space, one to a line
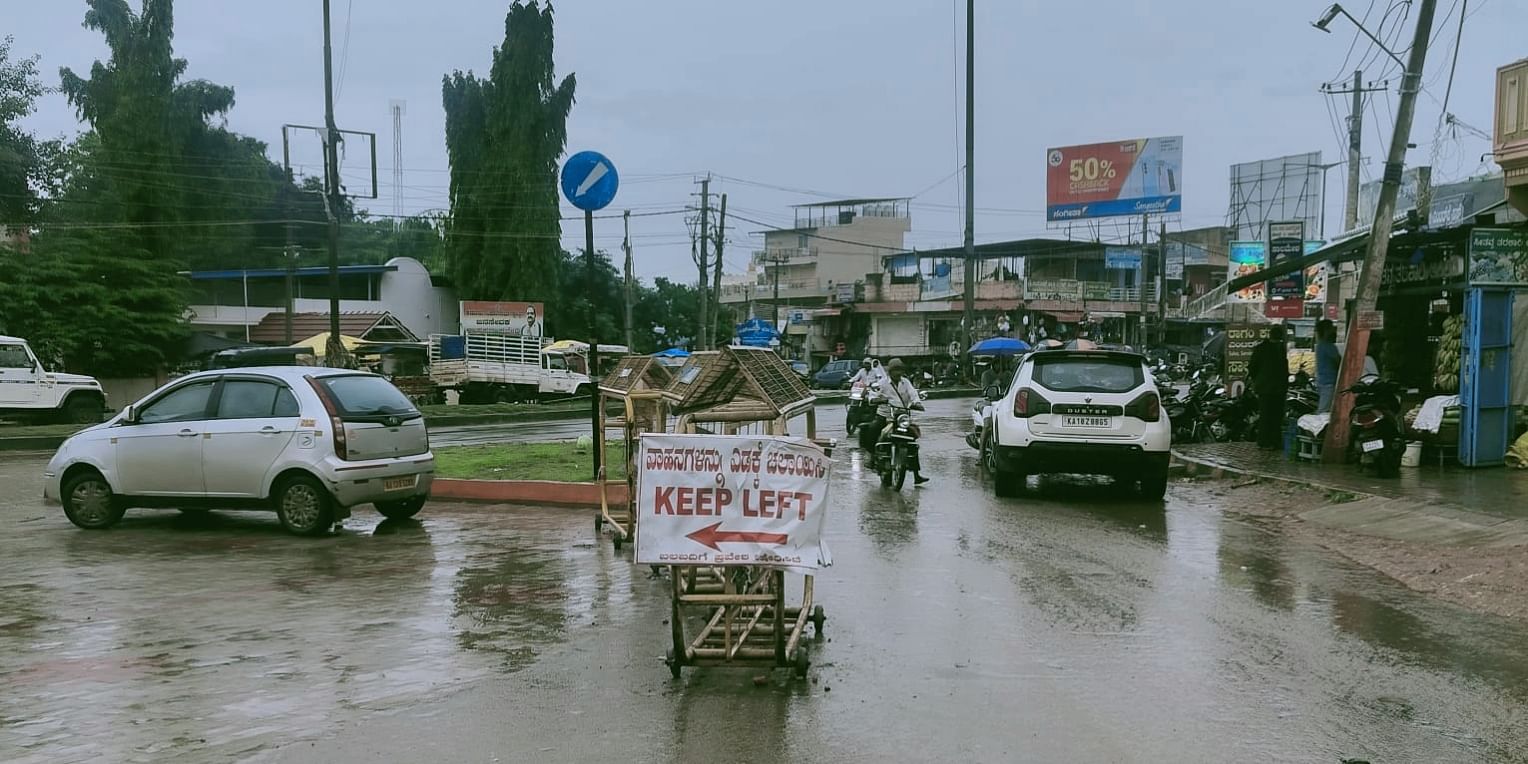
[673, 353]
[319, 343]
[738, 384]
[636, 373]
[1000, 346]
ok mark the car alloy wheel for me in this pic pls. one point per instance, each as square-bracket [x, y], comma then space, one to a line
[303, 507]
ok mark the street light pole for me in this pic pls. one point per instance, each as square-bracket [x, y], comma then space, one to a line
[1379, 235]
[968, 311]
[335, 352]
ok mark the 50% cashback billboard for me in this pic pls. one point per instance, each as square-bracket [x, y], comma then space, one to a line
[731, 500]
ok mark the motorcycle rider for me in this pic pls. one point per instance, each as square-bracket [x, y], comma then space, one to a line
[865, 374]
[898, 391]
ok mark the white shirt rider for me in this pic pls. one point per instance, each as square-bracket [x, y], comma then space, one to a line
[899, 394]
[865, 375]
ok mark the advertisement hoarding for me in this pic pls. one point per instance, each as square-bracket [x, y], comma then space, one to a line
[1499, 257]
[731, 500]
[523, 318]
[1247, 257]
[1143, 176]
[1240, 340]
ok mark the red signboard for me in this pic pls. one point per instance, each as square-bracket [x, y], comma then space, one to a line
[1284, 308]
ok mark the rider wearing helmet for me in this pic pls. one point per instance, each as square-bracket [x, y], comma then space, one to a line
[865, 375]
[899, 392]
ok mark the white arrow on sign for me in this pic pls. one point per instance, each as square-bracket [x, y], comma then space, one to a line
[600, 170]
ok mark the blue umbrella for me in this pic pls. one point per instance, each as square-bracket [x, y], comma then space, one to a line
[1000, 346]
[673, 353]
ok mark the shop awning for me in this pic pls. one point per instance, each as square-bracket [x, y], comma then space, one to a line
[1065, 316]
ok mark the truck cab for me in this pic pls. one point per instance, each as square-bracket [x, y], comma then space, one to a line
[29, 391]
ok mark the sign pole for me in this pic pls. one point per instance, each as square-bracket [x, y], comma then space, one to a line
[594, 344]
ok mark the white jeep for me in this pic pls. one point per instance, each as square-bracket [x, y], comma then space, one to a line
[28, 391]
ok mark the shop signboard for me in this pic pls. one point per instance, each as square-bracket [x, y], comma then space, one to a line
[1095, 290]
[1248, 257]
[1315, 276]
[1061, 290]
[1122, 258]
[1286, 241]
[731, 500]
[526, 319]
[1499, 257]
[1240, 340]
[1438, 264]
[1142, 176]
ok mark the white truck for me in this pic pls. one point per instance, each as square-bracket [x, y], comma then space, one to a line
[493, 367]
[30, 392]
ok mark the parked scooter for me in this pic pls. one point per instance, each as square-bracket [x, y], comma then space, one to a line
[897, 452]
[1376, 436]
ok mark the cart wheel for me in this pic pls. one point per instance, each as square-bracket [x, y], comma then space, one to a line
[818, 619]
[674, 666]
[803, 661]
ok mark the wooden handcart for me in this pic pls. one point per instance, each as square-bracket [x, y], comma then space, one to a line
[743, 613]
[636, 384]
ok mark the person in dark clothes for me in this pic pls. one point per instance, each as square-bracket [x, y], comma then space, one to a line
[1268, 371]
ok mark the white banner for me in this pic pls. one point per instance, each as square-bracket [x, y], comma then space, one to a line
[731, 500]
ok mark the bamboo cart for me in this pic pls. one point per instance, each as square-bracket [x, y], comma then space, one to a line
[744, 611]
[636, 384]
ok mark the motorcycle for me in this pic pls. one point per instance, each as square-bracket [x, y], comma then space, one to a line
[1376, 435]
[979, 415]
[896, 454]
[868, 424]
[858, 410]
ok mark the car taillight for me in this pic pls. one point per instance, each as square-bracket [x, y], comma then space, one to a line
[340, 448]
[1147, 408]
[1027, 403]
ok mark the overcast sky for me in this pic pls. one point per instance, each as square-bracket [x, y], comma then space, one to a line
[796, 101]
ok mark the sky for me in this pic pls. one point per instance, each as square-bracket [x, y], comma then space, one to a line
[794, 101]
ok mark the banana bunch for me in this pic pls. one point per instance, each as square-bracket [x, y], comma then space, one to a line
[1446, 364]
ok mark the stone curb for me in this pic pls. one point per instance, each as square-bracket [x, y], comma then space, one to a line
[540, 492]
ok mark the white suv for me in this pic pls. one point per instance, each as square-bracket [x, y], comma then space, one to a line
[1093, 412]
[306, 442]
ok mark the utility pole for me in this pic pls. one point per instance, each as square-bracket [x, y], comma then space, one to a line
[1141, 283]
[774, 307]
[703, 339]
[968, 313]
[335, 353]
[1161, 285]
[716, 270]
[626, 272]
[1355, 143]
[1379, 238]
[291, 256]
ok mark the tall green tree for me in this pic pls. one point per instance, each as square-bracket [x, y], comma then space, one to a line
[504, 134]
[21, 154]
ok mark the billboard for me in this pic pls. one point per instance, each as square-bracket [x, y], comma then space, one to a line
[523, 318]
[1248, 257]
[1097, 180]
[1414, 194]
[1286, 241]
[1281, 188]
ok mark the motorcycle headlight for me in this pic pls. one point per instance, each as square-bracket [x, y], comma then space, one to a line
[903, 421]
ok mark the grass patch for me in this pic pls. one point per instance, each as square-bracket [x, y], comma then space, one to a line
[41, 430]
[561, 461]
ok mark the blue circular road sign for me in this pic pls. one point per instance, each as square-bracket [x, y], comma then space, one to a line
[589, 180]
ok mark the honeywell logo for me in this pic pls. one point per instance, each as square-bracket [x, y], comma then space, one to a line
[1075, 212]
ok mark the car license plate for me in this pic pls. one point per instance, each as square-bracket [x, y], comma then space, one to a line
[1089, 421]
[398, 483]
[1373, 445]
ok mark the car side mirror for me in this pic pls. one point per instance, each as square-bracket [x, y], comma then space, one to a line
[130, 415]
[994, 393]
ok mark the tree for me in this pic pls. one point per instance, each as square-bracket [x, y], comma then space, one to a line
[504, 134]
[84, 299]
[21, 155]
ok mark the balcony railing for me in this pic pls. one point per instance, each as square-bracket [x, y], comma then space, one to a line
[1071, 290]
[785, 256]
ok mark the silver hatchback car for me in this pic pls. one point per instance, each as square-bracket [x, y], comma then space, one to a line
[308, 443]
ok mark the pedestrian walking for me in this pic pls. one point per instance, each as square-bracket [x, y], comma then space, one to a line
[1328, 362]
[1269, 372]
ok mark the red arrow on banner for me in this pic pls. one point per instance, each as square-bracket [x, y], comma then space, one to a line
[711, 535]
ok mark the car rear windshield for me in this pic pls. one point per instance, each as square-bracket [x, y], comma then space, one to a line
[1088, 375]
[362, 395]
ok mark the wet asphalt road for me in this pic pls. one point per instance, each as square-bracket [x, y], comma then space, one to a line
[1072, 625]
